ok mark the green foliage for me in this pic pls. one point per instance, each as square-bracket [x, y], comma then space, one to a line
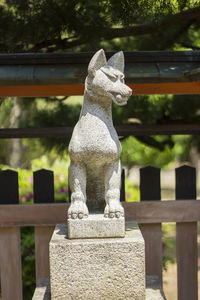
[132, 192]
[134, 153]
[52, 25]
[28, 262]
[60, 115]
[5, 109]
[168, 244]
[25, 178]
[158, 109]
[167, 258]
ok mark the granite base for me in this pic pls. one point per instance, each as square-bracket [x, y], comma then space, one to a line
[94, 269]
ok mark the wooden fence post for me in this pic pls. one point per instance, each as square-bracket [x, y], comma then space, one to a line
[43, 186]
[152, 233]
[186, 238]
[10, 241]
[122, 190]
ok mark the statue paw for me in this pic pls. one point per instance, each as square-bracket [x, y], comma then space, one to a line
[119, 214]
[78, 210]
[114, 210]
[80, 215]
[73, 215]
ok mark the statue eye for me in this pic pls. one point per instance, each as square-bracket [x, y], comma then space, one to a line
[121, 77]
[107, 72]
[113, 77]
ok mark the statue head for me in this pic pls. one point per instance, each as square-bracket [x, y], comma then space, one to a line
[106, 78]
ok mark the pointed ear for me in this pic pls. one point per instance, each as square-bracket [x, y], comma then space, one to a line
[117, 61]
[97, 61]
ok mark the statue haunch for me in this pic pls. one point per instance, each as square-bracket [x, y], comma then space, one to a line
[94, 149]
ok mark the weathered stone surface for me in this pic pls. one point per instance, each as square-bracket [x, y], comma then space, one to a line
[95, 269]
[153, 290]
[94, 149]
[42, 291]
[96, 226]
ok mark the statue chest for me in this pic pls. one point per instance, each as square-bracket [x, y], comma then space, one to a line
[95, 136]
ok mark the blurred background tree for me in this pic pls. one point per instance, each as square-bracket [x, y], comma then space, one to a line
[59, 25]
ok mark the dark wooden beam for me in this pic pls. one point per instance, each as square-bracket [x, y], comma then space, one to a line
[84, 57]
[124, 130]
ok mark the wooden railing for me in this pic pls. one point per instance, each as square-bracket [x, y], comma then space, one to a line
[150, 212]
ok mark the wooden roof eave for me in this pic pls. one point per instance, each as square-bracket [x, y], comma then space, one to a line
[175, 72]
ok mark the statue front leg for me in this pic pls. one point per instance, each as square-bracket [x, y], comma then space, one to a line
[112, 191]
[77, 183]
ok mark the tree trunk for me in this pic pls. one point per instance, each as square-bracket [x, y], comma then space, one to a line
[15, 147]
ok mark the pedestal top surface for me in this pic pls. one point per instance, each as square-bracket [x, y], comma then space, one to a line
[96, 226]
[131, 232]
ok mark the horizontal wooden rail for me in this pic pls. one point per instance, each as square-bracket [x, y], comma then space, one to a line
[125, 130]
[141, 212]
[162, 211]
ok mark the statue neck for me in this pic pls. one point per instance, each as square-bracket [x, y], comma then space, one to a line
[101, 106]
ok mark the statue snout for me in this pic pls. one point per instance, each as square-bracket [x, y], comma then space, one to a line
[129, 91]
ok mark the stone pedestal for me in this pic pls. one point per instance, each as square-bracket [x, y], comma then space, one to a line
[112, 268]
[98, 269]
[153, 289]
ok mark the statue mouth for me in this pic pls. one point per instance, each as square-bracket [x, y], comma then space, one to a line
[120, 100]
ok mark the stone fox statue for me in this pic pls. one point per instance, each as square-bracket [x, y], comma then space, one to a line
[94, 149]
